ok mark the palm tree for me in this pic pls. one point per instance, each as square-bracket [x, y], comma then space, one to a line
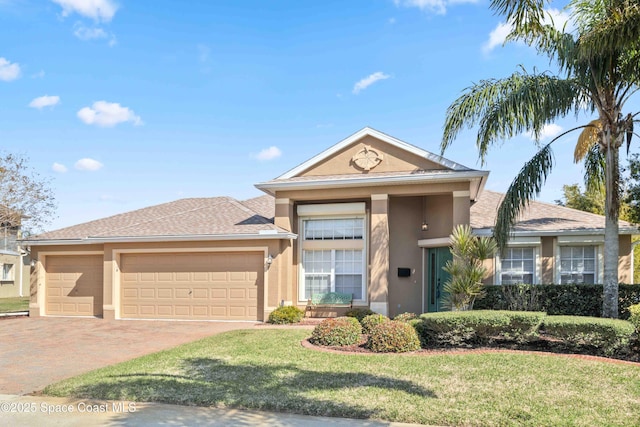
[597, 72]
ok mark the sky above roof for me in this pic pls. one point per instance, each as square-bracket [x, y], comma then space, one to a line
[132, 103]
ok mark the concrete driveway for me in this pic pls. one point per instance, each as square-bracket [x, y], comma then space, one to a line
[35, 352]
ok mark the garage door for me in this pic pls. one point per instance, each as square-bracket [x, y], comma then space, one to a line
[222, 286]
[74, 285]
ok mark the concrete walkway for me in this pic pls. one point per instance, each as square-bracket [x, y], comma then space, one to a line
[48, 411]
[35, 352]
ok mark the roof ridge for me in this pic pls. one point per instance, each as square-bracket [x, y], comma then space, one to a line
[165, 216]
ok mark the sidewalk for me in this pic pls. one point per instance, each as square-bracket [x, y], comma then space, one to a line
[38, 411]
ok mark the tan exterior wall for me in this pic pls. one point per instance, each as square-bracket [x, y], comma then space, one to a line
[20, 283]
[547, 260]
[438, 213]
[624, 265]
[405, 220]
[379, 254]
[268, 298]
[394, 160]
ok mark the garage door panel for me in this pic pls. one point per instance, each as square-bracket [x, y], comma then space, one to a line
[199, 285]
[73, 285]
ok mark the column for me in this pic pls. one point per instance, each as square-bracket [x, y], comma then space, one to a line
[379, 256]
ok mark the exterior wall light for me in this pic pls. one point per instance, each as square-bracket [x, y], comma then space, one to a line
[424, 226]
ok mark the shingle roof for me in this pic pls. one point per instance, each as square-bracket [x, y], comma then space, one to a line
[263, 205]
[197, 216]
[539, 217]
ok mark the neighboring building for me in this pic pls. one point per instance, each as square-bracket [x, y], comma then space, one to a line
[14, 264]
[370, 216]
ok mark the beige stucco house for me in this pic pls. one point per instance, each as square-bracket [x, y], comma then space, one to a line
[370, 216]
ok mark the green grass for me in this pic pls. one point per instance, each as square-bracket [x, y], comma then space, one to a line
[10, 305]
[269, 369]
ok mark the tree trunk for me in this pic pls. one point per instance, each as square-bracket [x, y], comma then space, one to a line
[611, 238]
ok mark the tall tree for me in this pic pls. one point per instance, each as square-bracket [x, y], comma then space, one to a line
[26, 199]
[592, 200]
[597, 72]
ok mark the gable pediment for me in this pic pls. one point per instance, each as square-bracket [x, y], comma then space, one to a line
[370, 155]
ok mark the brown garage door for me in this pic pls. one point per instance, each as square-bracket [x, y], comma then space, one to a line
[221, 286]
[74, 285]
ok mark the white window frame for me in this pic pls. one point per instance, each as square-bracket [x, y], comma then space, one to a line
[597, 254]
[536, 273]
[11, 273]
[327, 212]
[536, 244]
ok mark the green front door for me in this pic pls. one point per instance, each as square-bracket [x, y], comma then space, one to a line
[436, 277]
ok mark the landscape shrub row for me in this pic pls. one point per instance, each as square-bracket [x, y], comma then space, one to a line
[579, 334]
[570, 300]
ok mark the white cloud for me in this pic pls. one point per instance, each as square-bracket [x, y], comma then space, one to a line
[548, 131]
[44, 101]
[497, 37]
[270, 153]
[98, 10]
[436, 6]
[87, 164]
[368, 81]
[58, 167]
[92, 33]
[8, 70]
[552, 16]
[108, 114]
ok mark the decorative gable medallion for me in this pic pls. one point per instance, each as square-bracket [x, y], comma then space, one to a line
[367, 158]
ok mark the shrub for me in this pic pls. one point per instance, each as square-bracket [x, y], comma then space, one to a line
[393, 337]
[605, 336]
[359, 313]
[634, 317]
[285, 315]
[573, 300]
[338, 331]
[405, 317]
[372, 320]
[466, 327]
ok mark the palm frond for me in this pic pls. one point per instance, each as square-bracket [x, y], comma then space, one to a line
[524, 187]
[606, 27]
[594, 169]
[587, 139]
[526, 16]
[508, 107]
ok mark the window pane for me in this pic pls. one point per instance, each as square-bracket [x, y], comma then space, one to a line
[314, 284]
[350, 284]
[333, 229]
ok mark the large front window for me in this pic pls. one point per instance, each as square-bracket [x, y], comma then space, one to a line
[518, 266]
[333, 257]
[577, 264]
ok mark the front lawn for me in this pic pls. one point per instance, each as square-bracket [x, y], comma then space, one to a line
[269, 369]
[12, 305]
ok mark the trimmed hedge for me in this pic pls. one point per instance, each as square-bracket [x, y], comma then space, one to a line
[634, 318]
[393, 337]
[286, 314]
[570, 300]
[605, 336]
[337, 331]
[359, 313]
[371, 321]
[468, 327]
[405, 317]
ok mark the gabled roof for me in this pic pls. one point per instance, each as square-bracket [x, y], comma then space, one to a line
[540, 218]
[214, 218]
[447, 171]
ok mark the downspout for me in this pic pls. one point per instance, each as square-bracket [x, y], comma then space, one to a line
[20, 284]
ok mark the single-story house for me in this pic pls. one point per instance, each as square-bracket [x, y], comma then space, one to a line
[370, 216]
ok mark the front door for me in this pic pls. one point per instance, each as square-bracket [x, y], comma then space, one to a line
[436, 277]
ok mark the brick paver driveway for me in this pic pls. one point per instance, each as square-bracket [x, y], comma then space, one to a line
[35, 352]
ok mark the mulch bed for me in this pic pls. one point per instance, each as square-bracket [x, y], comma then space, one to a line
[544, 347]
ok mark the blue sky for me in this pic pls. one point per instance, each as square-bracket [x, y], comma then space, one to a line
[125, 104]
